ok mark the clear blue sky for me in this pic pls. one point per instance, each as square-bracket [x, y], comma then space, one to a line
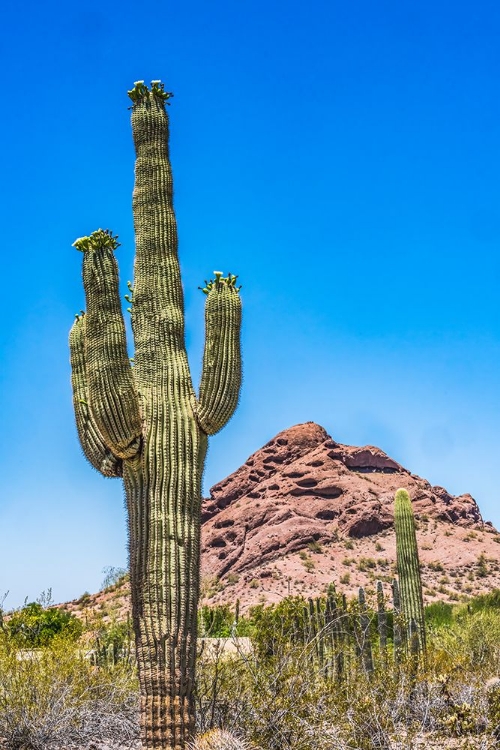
[342, 157]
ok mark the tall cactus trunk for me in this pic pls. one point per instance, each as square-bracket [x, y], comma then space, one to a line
[146, 424]
[164, 542]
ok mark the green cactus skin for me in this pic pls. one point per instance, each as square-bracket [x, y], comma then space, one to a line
[365, 645]
[413, 637]
[410, 584]
[398, 625]
[94, 447]
[382, 620]
[146, 424]
[333, 627]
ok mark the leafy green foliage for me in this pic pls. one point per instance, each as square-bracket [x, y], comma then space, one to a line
[216, 622]
[34, 626]
[438, 614]
[113, 642]
[485, 601]
[220, 621]
[278, 623]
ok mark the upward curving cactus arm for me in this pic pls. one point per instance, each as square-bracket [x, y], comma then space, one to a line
[95, 449]
[221, 374]
[111, 392]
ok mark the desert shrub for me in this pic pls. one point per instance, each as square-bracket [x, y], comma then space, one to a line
[489, 601]
[492, 688]
[219, 739]
[220, 621]
[280, 700]
[284, 701]
[217, 621]
[53, 697]
[278, 624]
[270, 696]
[34, 626]
[438, 614]
[471, 643]
[111, 641]
[222, 696]
[282, 695]
[113, 576]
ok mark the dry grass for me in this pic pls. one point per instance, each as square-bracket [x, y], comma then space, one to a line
[55, 698]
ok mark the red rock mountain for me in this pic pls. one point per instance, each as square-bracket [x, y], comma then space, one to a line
[305, 510]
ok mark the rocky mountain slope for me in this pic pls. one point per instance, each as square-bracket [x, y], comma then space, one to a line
[304, 511]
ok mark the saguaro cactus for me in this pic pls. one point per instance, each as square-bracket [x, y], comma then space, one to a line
[145, 423]
[410, 584]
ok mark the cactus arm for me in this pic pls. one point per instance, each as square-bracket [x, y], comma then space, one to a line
[112, 397]
[95, 449]
[221, 373]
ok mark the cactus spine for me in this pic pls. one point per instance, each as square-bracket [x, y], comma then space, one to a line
[408, 566]
[146, 424]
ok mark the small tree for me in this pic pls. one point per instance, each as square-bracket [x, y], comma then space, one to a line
[34, 627]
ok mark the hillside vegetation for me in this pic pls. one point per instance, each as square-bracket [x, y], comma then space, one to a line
[68, 682]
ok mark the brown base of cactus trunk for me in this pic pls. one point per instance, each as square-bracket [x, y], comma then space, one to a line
[166, 723]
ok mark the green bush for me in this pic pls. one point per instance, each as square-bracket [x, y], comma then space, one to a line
[216, 622]
[112, 642]
[220, 621]
[277, 624]
[33, 626]
[438, 614]
[490, 601]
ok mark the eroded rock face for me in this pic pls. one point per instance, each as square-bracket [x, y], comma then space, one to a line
[303, 488]
[305, 511]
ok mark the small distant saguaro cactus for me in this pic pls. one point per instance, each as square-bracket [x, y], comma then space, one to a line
[408, 565]
[144, 422]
